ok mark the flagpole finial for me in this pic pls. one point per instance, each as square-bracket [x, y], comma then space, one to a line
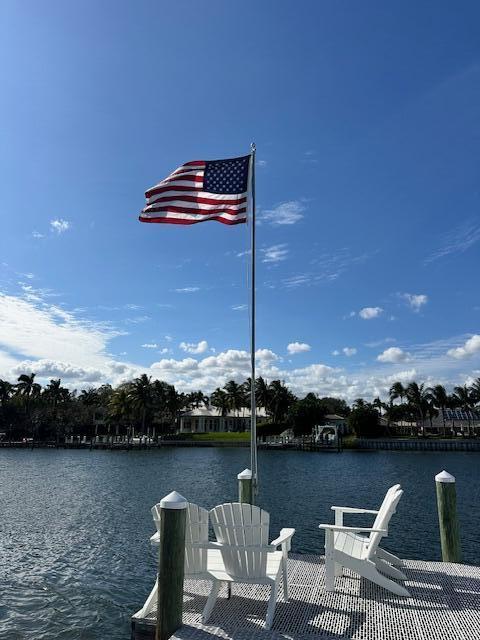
[253, 146]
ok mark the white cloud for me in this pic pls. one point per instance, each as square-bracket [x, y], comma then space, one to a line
[378, 343]
[367, 313]
[56, 369]
[37, 235]
[415, 301]
[325, 268]
[59, 225]
[247, 252]
[298, 347]
[54, 342]
[393, 355]
[150, 345]
[335, 352]
[349, 351]
[34, 329]
[297, 281]
[137, 319]
[457, 241]
[168, 338]
[192, 347]
[471, 346]
[265, 356]
[284, 213]
[262, 163]
[187, 290]
[274, 254]
[165, 350]
[239, 307]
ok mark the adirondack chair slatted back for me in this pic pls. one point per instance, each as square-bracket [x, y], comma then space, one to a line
[385, 505]
[382, 521]
[243, 531]
[196, 532]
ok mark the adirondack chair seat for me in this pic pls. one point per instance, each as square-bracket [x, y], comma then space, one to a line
[272, 570]
[351, 544]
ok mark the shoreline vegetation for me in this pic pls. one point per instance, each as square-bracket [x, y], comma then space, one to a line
[148, 409]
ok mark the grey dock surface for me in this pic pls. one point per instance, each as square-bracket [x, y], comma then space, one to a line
[445, 605]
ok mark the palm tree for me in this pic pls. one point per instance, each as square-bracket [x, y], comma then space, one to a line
[463, 398]
[439, 398]
[379, 405]
[475, 391]
[359, 403]
[220, 400]
[120, 407]
[281, 399]
[263, 394]
[397, 390]
[141, 395]
[418, 397]
[27, 388]
[236, 396]
[55, 393]
[196, 398]
[90, 399]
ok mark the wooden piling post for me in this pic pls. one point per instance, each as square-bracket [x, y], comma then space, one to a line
[447, 517]
[171, 564]
[245, 489]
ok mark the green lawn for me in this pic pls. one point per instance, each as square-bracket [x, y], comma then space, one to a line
[222, 437]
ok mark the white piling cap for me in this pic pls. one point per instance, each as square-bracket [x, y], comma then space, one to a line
[173, 501]
[245, 475]
[444, 476]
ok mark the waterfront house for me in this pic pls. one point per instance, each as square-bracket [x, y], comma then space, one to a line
[451, 422]
[334, 420]
[211, 420]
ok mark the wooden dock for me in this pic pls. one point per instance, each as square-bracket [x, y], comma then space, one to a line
[445, 605]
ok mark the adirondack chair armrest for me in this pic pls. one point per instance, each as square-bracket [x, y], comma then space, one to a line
[333, 527]
[284, 539]
[155, 539]
[353, 510]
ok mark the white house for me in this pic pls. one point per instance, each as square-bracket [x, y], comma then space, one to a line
[203, 420]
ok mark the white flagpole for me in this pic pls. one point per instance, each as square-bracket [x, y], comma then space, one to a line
[253, 408]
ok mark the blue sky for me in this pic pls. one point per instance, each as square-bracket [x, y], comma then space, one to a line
[365, 117]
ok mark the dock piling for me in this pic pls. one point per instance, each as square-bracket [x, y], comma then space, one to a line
[447, 517]
[245, 492]
[171, 565]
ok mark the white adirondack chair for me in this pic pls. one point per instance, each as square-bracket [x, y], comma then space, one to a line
[199, 558]
[242, 537]
[381, 553]
[344, 548]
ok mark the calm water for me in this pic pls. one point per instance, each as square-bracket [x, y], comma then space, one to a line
[75, 561]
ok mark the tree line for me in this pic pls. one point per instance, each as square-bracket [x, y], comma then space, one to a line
[417, 405]
[146, 407]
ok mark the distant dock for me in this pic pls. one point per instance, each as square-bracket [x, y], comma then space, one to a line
[145, 444]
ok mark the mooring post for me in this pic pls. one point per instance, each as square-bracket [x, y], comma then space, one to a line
[171, 564]
[447, 517]
[245, 492]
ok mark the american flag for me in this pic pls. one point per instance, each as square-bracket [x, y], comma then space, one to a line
[201, 190]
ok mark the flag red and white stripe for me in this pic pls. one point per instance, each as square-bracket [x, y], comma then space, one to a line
[182, 199]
